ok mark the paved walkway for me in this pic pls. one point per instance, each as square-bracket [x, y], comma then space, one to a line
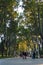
[20, 61]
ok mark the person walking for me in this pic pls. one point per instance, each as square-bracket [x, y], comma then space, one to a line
[33, 55]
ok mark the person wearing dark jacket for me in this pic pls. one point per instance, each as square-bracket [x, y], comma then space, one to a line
[24, 55]
[33, 56]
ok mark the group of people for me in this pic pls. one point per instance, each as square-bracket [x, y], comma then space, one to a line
[25, 54]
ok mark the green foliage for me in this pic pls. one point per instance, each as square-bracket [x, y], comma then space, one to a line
[33, 14]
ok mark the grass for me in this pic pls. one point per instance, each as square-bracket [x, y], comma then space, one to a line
[6, 57]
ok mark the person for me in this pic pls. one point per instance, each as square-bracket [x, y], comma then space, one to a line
[33, 56]
[24, 54]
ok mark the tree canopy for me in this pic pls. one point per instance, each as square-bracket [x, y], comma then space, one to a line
[20, 20]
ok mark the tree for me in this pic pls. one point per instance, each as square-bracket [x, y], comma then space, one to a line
[6, 13]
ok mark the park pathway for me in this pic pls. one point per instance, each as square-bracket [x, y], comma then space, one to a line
[20, 61]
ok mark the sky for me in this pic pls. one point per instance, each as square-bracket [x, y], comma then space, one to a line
[19, 9]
